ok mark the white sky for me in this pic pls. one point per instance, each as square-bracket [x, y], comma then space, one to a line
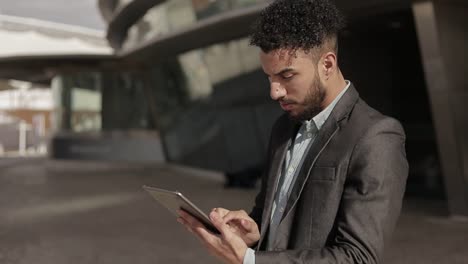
[75, 12]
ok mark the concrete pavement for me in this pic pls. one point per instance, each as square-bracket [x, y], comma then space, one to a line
[92, 212]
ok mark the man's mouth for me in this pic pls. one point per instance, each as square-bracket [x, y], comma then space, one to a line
[286, 106]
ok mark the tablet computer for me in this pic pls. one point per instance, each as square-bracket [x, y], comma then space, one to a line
[174, 200]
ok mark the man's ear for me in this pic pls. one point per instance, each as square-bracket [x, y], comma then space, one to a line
[328, 64]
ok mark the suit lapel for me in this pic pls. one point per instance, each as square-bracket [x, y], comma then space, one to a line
[324, 136]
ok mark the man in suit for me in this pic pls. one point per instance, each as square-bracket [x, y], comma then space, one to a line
[333, 188]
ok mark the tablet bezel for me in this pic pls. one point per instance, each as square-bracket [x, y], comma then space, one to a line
[174, 201]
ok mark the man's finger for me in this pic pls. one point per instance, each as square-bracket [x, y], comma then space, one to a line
[221, 211]
[241, 217]
[196, 227]
[190, 220]
[246, 224]
[223, 228]
[235, 215]
[185, 224]
[206, 236]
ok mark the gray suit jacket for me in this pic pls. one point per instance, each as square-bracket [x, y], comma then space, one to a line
[347, 197]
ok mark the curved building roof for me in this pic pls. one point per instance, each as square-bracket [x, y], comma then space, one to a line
[33, 49]
[218, 28]
[122, 15]
[221, 27]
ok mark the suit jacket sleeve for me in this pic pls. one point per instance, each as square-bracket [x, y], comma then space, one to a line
[370, 203]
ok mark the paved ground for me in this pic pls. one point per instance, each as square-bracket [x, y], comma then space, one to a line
[88, 212]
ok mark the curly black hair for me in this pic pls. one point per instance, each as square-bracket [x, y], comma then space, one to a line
[296, 24]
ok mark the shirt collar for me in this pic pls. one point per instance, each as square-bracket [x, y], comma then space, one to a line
[321, 117]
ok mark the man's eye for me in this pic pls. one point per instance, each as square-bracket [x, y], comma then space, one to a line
[287, 77]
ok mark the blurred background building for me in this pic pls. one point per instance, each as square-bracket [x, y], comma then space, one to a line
[182, 85]
[28, 111]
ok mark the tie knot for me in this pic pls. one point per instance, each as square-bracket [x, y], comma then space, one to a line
[311, 127]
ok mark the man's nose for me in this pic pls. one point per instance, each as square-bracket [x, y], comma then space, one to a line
[277, 91]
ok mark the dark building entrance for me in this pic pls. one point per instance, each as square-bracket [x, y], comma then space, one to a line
[381, 56]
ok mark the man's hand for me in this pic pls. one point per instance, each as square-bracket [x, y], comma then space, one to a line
[229, 247]
[241, 224]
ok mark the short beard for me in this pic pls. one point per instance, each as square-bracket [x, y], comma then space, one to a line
[313, 102]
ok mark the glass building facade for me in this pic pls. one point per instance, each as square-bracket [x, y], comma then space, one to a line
[209, 106]
[201, 92]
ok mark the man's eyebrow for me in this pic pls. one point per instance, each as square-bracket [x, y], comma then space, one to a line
[286, 70]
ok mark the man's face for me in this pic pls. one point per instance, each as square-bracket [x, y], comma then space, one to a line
[294, 82]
